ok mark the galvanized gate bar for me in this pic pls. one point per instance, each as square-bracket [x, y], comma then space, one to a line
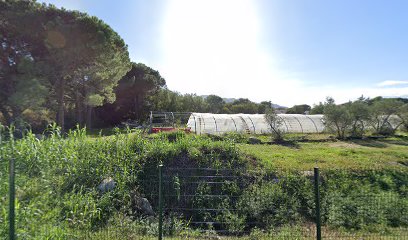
[12, 194]
[317, 202]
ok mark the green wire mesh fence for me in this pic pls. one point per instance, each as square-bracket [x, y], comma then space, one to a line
[238, 203]
[282, 205]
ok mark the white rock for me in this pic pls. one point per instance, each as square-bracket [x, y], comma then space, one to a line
[107, 185]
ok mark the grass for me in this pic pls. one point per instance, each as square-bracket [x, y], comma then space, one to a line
[387, 153]
[286, 232]
[57, 179]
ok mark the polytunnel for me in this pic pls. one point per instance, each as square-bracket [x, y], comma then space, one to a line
[208, 123]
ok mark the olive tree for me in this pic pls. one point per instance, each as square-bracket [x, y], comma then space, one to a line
[403, 115]
[383, 116]
[275, 124]
[337, 118]
[359, 113]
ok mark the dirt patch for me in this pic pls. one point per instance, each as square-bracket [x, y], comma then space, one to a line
[344, 145]
[400, 163]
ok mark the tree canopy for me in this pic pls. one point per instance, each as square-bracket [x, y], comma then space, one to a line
[69, 59]
[133, 93]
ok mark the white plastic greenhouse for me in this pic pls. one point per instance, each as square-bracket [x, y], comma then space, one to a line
[208, 123]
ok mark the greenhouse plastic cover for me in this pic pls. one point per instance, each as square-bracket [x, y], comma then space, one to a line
[202, 123]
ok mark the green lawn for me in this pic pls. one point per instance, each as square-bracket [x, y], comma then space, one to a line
[387, 153]
[287, 232]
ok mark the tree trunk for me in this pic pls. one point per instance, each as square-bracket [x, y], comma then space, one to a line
[7, 116]
[136, 100]
[78, 108]
[61, 108]
[89, 117]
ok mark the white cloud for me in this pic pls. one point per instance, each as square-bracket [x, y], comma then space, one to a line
[392, 83]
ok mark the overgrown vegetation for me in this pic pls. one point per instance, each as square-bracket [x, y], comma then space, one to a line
[302, 153]
[275, 124]
[58, 178]
[354, 119]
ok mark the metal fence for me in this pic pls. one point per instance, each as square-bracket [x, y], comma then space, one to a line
[237, 203]
[209, 200]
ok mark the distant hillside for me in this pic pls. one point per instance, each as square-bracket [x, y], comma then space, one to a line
[402, 98]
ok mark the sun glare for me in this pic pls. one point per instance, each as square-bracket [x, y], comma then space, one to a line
[214, 44]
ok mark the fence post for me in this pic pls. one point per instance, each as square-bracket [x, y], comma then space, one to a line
[160, 201]
[12, 194]
[317, 203]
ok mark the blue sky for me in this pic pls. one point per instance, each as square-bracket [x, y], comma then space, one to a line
[287, 51]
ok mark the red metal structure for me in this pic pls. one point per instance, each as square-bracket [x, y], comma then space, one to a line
[169, 121]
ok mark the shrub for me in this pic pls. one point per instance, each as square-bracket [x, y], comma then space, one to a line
[337, 118]
[269, 204]
[236, 137]
[381, 116]
[275, 124]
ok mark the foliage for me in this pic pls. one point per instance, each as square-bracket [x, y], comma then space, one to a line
[236, 137]
[57, 181]
[132, 95]
[58, 59]
[215, 103]
[58, 177]
[381, 115]
[242, 105]
[275, 124]
[403, 115]
[359, 114]
[22, 79]
[358, 201]
[337, 118]
[317, 109]
[299, 109]
[269, 204]
[354, 155]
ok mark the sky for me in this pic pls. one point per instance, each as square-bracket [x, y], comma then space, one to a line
[287, 51]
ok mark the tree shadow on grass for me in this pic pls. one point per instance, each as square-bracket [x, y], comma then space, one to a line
[369, 143]
[403, 137]
[403, 163]
[396, 142]
[289, 144]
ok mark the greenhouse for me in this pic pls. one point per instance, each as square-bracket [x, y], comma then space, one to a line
[208, 123]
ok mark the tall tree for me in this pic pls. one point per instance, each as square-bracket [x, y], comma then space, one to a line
[403, 115]
[83, 47]
[382, 115]
[242, 105]
[133, 94]
[23, 83]
[337, 118]
[275, 124]
[193, 103]
[299, 109]
[317, 108]
[215, 103]
[263, 106]
[360, 114]
[72, 44]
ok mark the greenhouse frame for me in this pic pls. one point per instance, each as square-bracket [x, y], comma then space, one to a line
[208, 123]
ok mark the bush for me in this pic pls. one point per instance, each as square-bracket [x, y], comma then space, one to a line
[337, 118]
[269, 204]
[57, 178]
[275, 124]
[382, 114]
[236, 137]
